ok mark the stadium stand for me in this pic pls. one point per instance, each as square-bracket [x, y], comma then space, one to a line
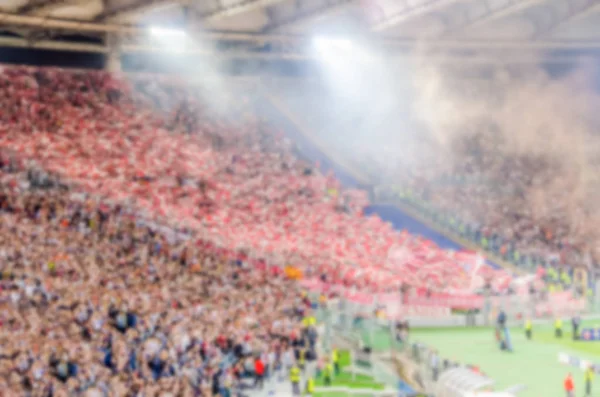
[104, 303]
[484, 198]
[156, 242]
[222, 231]
[205, 181]
[121, 199]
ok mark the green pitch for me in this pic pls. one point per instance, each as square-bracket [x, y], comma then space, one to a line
[532, 363]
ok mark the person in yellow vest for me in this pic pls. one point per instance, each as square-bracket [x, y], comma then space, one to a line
[302, 358]
[335, 359]
[528, 329]
[558, 327]
[305, 322]
[310, 386]
[327, 371]
[552, 274]
[565, 278]
[309, 321]
[589, 378]
[295, 379]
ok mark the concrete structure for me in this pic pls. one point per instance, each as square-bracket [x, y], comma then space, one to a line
[502, 27]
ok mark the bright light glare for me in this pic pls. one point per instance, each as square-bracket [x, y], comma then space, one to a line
[166, 32]
[345, 63]
[175, 40]
[327, 44]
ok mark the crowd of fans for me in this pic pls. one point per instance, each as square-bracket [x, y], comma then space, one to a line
[224, 174]
[518, 205]
[104, 303]
[493, 208]
[147, 237]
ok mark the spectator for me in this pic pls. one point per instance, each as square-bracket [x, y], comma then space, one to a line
[259, 372]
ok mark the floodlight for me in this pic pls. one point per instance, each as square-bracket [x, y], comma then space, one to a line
[332, 44]
[166, 32]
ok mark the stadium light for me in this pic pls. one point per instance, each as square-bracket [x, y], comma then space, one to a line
[167, 32]
[175, 40]
[325, 45]
[179, 41]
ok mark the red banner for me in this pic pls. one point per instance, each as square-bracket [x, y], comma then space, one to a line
[439, 300]
[424, 311]
[457, 302]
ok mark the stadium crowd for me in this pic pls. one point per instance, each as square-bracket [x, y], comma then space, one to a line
[508, 202]
[150, 240]
[224, 174]
[493, 207]
[104, 303]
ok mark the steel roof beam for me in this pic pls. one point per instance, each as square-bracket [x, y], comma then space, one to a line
[48, 23]
[591, 10]
[18, 42]
[34, 6]
[306, 17]
[483, 59]
[135, 8]
[241, 7]
[573, 10]
[410, 12]
[492, 13]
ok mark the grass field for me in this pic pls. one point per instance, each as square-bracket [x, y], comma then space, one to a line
[533, 363]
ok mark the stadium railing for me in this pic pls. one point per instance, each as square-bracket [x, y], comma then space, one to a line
[378, 346]
[345, 326]
[389, 359]
[374, 342]
[391, 356]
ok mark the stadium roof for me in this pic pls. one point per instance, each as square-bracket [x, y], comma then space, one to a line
[457, 24]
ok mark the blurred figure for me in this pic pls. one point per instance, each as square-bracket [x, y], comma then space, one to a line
[259, 372]
[502, 332]
[295, 379]
[589, 379]
[335, 358]
[434, 363]
[528, 329]
[310, 386]
[575, 323]
[327, 374]
[558, 328]
[569, 386]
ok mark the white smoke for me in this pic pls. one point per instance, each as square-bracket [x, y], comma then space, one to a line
[547, 123]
